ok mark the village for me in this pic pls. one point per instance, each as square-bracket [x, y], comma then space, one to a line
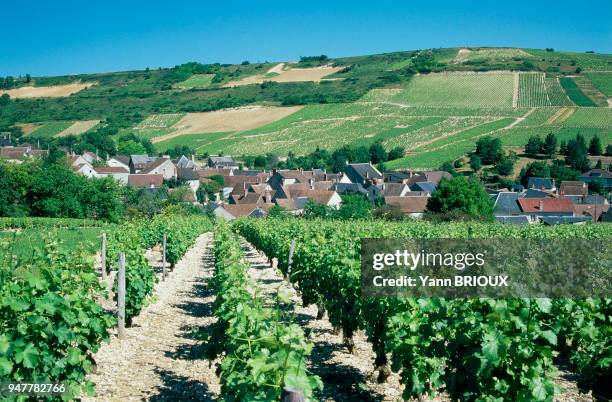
[253, 193]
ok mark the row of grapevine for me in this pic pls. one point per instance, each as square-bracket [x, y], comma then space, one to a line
[50, 323]
[476, 349]
[48, 223]
[263, 351]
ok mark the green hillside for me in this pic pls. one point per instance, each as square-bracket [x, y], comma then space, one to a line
[434, 103]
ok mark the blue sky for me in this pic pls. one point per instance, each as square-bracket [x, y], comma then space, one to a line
[67, 37]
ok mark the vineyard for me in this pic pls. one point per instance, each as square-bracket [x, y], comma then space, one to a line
[476, 349]
[52, 295]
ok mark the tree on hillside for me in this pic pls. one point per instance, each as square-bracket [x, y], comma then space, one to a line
[560, 172]
[533, 146]
[395, 153]
[549, 148]
[576, 156]
[599, 164]
[475, 162]
[609, 150]
[505, 167]
[5, 99]
[595, 147]
[377, 152]
[461, 194]
[489, 149]
[448, 167]
[131, 147]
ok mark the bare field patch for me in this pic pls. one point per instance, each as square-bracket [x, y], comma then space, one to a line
[55, 91]
[238, 119]
[285, 74]
[78, 128]
[29, 128]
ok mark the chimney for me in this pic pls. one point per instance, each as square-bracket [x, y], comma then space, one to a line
[267, 197]
[217, 197]
[193, 158]
[311, 182]
[274, 171]
[244, 186]
[541, 206]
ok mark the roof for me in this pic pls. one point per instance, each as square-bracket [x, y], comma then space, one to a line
[214, 172]
[532, 193]
[597, 173]
[560, 204]
[542, 183]
[426, 186]
[251, 173]
[155, 164]
[184, 162]
[140, 159]
[408, 205]
[238, 210]
[145, 180]
[122, 158]
[573, 188]
[188, 173]
[435, 176]
[506, 203]
[595, 199]
[393, 189]
[318, 196]
[221, 160]
[343, 188]
[110, 169]
[359, 172]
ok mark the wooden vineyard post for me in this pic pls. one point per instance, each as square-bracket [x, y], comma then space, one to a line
[103, 256]
[121, 297]
[292, 395]
[164, 258]
[290, 261]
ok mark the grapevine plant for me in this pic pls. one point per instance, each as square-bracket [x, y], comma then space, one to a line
[474, 349]
[262, 350]
[50, 323]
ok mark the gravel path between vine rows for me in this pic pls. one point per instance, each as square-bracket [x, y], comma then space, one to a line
[160, 360]
[346, 376]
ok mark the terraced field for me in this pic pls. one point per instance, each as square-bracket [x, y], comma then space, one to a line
[157, 125]
[197, 81]
[51, 129]
[459, 90]
[575, 93]
[586, 61]
[602, 81]
[435, 118]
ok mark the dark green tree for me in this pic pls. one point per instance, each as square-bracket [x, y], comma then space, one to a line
[475, 162]
[463, 195]
[533, 146]
[377, 153]
[505, 167]
[549, 148]
[595, 147]
[354, 206]
[576, 156]
[489, 149]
